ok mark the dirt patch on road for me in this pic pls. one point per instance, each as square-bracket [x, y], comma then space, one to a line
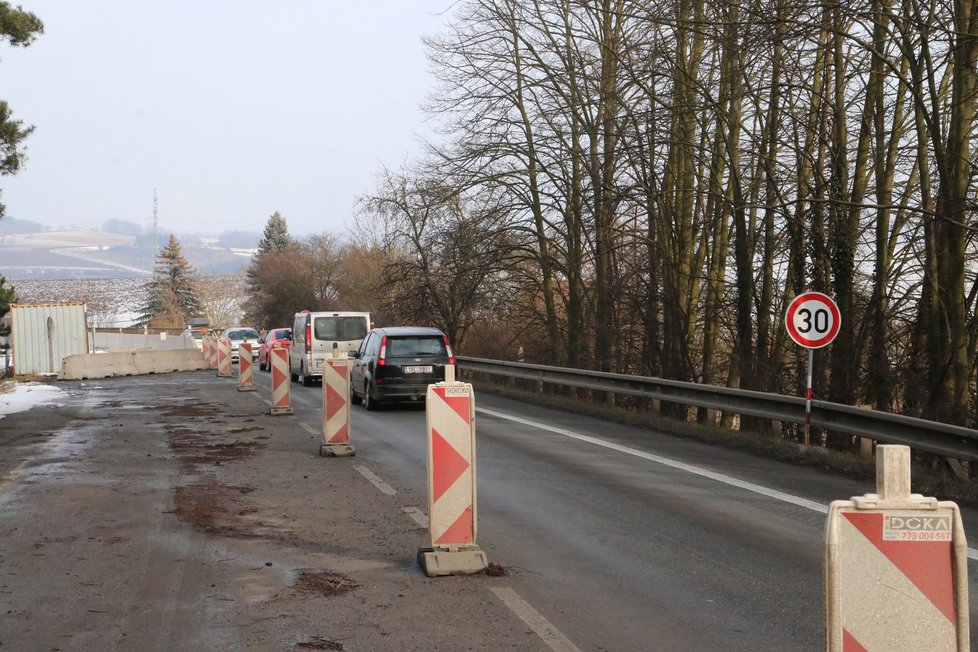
[210, 506]
[194, 448]
[186, 410]
[319, 644]
[218, 508]
[324, 582]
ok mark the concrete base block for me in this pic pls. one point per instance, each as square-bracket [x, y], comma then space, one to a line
[279, 411]
[249, 388]
[440, 561]
[337, 450]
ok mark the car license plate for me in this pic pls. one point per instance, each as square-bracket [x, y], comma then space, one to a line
[424, 369]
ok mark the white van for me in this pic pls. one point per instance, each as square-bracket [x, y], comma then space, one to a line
[316, 334]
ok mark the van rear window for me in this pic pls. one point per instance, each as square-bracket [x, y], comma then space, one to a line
[340, 329]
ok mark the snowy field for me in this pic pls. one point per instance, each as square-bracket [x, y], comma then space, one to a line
[115, 302]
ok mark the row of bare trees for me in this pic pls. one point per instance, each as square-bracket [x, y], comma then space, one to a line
[643, 186]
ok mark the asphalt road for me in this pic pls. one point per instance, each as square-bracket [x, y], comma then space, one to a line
[171, 511]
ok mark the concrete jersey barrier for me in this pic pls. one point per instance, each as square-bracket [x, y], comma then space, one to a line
[131, 363]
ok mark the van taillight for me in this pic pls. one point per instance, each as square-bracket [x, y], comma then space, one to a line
[308, 338]
[448, 347]
[382, 360]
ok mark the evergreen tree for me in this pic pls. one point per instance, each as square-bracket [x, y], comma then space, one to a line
[7, 297]
[171, 297]
[19, 28]
[276, 235]
[274, 239]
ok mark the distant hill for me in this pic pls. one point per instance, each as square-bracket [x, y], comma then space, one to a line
[11, 226]
[97, 254]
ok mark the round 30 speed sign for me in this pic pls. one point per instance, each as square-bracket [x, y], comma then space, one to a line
[812, 320]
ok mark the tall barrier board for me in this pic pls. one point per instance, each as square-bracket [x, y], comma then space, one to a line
[281, 388]
[210, 352]
[224, 357]
[451, 480]
[336, 409]
[896, 574]
[246, 375]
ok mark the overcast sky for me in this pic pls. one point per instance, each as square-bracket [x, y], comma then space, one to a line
[231, 109]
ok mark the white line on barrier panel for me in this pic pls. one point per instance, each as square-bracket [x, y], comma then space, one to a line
[543, 628]
[376, 481]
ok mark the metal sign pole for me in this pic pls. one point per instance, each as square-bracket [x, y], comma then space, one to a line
[808, 400]
[813, 321]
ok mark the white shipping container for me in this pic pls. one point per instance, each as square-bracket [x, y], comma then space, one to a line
[44, 334]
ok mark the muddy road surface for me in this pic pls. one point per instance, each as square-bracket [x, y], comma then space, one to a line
[172, 512]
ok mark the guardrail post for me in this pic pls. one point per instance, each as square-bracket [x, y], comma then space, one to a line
[865, 443]
[451, 481]
[896, 567]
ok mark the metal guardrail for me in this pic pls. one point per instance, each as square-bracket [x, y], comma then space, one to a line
[930, 436]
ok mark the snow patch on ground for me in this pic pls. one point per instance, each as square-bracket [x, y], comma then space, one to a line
[20, 397]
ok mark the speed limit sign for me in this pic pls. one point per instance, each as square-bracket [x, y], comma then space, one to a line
[812, 320]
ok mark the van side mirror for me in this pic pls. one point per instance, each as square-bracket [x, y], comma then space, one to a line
[353, 354]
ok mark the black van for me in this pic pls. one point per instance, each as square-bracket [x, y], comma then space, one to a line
[398, 364]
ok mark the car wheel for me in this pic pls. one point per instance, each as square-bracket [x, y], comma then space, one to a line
[304, 377]
[355, 398]
[368, 401]
[294, 376]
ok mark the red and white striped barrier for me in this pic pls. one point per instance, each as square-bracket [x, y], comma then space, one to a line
[451, 480]
[336, 409]
[215, 352]
[224, 357]
[896, 567]
[246, 374]
[281, 387]
[205, 348]
[210, 342]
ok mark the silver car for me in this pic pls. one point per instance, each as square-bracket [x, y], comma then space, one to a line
[239, 336]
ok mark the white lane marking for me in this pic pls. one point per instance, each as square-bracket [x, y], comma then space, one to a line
[689, 468]
[310, 429]
[419, 517]
[376, 481]
[543, 628]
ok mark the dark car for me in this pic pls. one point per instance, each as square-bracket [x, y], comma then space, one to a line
[277, 338]
[398, 364]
